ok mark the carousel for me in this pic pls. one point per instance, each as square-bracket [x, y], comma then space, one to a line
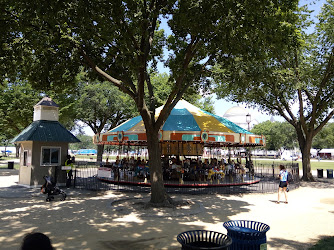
[192, 144]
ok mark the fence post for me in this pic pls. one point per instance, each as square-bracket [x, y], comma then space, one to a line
[75, 177]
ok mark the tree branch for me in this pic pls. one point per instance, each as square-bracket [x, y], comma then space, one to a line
[190, 51]
[301, 111]
[324, 122]
[116, 82]
[151, 95]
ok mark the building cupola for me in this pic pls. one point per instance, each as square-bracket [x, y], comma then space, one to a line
[47, 110]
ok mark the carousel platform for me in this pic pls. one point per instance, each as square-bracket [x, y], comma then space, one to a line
[226, 181]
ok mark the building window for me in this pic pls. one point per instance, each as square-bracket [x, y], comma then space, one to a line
[50, 156]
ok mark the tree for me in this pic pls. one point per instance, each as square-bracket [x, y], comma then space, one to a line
[86, 142]
[16, 107]
[295, 82]
[102, 106]
[65, 99]
[120, 41]
[162, 88]
[206, 104]
[17, 103]
[278, 135]
[325, 138]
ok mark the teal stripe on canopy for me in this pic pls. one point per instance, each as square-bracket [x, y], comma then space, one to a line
[127, 125]
[180, 119]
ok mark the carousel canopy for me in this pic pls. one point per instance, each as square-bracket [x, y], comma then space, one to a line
[186, 123]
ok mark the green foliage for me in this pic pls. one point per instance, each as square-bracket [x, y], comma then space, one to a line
[279, 135]
[16, 107]
[86, 143]
[294, 80]
[206, 104]
[325, 138]
[101, 106]
[162, 87]
[277, 78]
[122, 40]
[66, 99]
[121, 37]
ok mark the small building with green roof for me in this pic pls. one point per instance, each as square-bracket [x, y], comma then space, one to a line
[43, 145]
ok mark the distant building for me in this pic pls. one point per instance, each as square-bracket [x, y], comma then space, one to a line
[326, 153]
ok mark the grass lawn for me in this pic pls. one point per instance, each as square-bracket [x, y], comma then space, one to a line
[321, 164]
[93, 158]
[4, 164]
[314, 164]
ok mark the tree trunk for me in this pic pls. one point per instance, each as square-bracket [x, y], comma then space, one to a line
[306, 160]
[158, 192]
[100, 149]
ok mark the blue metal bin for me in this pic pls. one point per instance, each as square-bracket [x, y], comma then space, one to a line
[247, 234]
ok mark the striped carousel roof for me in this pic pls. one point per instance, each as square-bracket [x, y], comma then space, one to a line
[186, 124]
[185, 117]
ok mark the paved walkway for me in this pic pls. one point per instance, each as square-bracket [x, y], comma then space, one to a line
[113, 220]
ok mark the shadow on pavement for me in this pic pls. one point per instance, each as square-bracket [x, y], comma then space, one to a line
[279, 243]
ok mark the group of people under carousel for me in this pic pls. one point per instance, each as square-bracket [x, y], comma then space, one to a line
[175, 169]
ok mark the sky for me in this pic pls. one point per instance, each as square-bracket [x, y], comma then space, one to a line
[221, 106]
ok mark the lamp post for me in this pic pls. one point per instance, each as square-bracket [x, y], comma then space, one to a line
[248, 119]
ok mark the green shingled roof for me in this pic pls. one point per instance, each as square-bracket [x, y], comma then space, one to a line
[46, 131]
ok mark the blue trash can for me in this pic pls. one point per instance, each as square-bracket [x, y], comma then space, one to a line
[202, 239]
[247, 234]
[329, 173]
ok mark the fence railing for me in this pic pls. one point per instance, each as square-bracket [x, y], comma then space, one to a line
[265, 179]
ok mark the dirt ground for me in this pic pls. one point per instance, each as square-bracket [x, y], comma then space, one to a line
[114, 220]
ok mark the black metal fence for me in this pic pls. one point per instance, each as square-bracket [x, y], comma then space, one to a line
[264, 180]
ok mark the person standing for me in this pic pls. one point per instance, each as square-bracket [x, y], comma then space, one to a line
[69, 163]
[283, 184]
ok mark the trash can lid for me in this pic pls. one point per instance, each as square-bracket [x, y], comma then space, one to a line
[246, 226]
[203, 239]
[243, 229]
